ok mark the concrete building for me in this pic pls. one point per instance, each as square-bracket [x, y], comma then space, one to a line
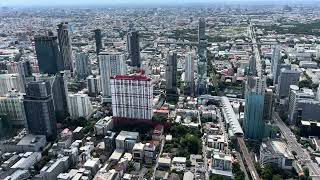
[39, 109]
[52, 169]
[48, 54]
[133, 48]
[10, 82]
[171, 74]
[275, 62]
[137, 151]
[189, 75]
[110, 64]
[11, 105]
[98, 39]
[103, 126]
[277, 153]
[222, 165]
[79, 106]
[82, 65]
[65, 46]
[24, 143]
[287, 78]
[297, 99]
[94, 85]
[59, 91]
[132, 96]
[28, 160]
[126, 140]
[268, 104]
[202, 29]
[23, 68]
[252, 66]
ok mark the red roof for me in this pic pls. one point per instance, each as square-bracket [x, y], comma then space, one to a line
[132, 77]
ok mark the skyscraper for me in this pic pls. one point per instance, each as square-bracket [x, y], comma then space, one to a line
[202, 30]
[39, 109]
[132, 96]
[110, 64]
[65, 46]
[254, 108]
[82, 65]
[94, 85]
[134, 48]
[189, 74]
[59, 93]
[79, 105]
[98, 39]
[171, 74]
[11, 105]
[252, 66]
[287, 78]
[275, 63]
[48, 55]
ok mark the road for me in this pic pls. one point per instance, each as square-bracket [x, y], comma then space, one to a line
[160, 152]
[204, 154]
[246, 156]
[302, 156]
[255, 49]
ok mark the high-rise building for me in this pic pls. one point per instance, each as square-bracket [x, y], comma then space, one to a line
[59, 92]
[23, 68]
[39, 109]
[202, 29]
[132, 96]
[189, 75]
[302, 103]
[98, 39]
[9, 82]
[287, 78]
[110, 64]
[171, 74]
[268, 104]
[82, 65]
[254, 108]
[48, 54]
[275, 63]
[133, 48]
[11, 105]
[94, 85]
[65, 46]
[252, 66]
[79, 106]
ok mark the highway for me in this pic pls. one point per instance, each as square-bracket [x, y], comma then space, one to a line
[302, 156]
[255, 49]
[246, 156]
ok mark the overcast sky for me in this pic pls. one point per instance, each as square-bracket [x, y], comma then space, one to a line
[123, 2]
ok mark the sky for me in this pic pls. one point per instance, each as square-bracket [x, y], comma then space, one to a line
[134, 2]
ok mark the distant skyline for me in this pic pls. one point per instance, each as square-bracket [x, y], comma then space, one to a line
[144, 2]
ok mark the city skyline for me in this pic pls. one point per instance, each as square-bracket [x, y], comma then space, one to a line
[133, 3]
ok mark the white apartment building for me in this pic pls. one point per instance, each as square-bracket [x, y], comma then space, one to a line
[132, 96]
[110, 64]
[9, 82]
[12, 106]
[79, 106]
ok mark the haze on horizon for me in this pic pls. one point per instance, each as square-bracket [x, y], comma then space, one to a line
[145, 2]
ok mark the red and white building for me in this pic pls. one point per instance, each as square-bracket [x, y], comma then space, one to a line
[132, 96]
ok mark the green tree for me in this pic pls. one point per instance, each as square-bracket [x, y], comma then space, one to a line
[192, 143]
